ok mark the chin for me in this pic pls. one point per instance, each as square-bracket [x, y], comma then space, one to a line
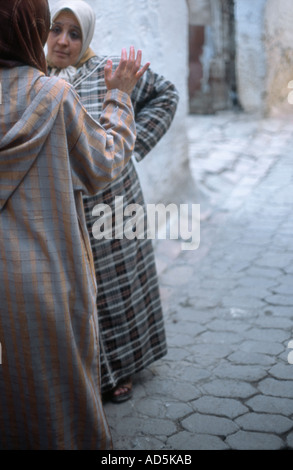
[59, 62]
[60, 65]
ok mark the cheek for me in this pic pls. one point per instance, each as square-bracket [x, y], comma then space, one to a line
[76, 49]
[50, 43]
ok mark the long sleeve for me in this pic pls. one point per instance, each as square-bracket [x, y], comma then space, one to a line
[99, 151]
[155, 102]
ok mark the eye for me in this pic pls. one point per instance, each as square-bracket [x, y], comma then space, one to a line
[55, 29]
[75, 35]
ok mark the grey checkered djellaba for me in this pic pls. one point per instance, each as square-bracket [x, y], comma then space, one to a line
[131, 325]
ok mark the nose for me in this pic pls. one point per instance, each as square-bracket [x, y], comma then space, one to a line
[63, 39]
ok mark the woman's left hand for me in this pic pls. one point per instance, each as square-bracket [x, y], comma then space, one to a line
[127, 73]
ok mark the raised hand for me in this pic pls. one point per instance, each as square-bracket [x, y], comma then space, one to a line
[127, 73]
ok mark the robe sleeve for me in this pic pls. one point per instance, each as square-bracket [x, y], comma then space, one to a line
[155, 102]
[98, 151]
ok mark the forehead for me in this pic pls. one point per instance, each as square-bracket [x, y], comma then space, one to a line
[67, 18]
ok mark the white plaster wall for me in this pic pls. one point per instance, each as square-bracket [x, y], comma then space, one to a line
[160, 29]
[251, 60]
[279, 40]
[199, 12]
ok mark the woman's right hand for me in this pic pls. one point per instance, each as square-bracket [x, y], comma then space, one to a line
[127, 73]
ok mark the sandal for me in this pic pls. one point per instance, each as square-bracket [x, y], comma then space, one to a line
[122, 392]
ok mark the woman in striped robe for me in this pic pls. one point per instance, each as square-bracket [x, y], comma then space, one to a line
[51, 153]
[132, 333]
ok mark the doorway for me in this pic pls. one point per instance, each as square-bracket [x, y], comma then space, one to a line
[212, 79]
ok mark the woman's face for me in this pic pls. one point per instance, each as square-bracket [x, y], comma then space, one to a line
[65, 40]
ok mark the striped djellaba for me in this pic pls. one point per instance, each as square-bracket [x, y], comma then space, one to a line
[51, 153]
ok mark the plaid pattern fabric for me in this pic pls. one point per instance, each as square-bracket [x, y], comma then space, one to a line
[132, 334]
[50, 152]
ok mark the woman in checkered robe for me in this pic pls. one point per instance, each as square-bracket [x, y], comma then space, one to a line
[132, 334]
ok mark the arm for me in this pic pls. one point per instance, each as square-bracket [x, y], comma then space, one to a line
[99, 150]
[155, 102]
[117, 135]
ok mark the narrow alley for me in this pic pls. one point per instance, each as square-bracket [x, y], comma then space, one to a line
[227, 382]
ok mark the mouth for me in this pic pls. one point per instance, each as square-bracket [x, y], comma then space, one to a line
[61, 54]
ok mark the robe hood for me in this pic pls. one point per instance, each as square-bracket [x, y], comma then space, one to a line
[22, 144]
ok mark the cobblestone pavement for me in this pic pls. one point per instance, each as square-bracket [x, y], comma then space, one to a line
[227, 382]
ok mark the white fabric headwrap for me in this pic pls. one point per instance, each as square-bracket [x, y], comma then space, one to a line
[85, 16]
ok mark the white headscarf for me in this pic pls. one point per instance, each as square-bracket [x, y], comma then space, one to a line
[86, 18]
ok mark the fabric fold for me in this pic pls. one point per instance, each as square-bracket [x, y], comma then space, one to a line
[22, 144]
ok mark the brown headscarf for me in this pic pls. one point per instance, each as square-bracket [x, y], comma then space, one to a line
[24, 28]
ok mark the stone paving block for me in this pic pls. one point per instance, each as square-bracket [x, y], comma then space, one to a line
[220, 337]
[147, 427]
[172, 389]
[261, 346]
[276, 299]
[268, 272]
[254, 282]
[194, 314]
[271, 335]
[227, 407]
[253, 291]
[227, 388]
[274, 405]
[264, 422]
[151, 408]
[177, 275]
[283, 289]
[161, 265]
[137, 443]
[209, 354]
[288, 270]
[280, 310]
[282, 371]
[178, 329]
[206, 302]
[176, 354]
[221, 325]
[241, 313]
[243, 440]
[284, 284]
[168, 249]
[277, 388]
[177, 410]
[209, 424]
[190, 441]
[119, 412]
[278, 260]
[210, 284]
[269, 321]
[243, 357]
[191, 373]
[242, 302]
[184, 339]
[236, 265]
[289, 440]
[240, 372]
